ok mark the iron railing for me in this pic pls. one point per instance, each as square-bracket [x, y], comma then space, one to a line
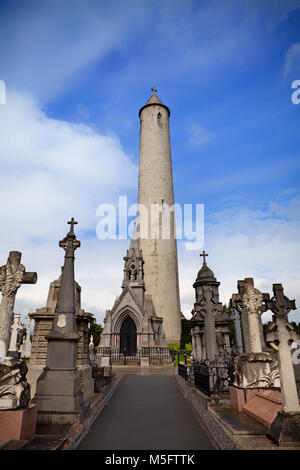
[157, 356]
[210, 377]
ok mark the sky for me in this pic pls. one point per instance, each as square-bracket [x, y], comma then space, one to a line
[76, 74]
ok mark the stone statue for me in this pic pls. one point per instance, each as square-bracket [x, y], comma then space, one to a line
[12, 275]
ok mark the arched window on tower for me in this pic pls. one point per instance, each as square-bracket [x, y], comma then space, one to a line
[159, 119]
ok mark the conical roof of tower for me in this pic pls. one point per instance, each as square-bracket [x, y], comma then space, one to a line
[154, 100]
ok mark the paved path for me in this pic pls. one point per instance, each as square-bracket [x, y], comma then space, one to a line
[146, 413]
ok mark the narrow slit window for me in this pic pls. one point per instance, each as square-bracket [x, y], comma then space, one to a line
[159, 119]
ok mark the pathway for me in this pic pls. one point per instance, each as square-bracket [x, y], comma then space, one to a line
[147, 412]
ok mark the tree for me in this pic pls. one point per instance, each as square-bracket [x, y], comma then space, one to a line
[96, 330]
[186, 337]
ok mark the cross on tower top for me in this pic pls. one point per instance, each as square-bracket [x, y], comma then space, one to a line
[72, 223]
[204, 256]
[153, 89]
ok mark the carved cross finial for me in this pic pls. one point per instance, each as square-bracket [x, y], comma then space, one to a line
[153, 89]
[280, 304]
[72, 223]
[204, 256]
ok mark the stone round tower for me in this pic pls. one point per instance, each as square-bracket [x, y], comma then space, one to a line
[156, 190]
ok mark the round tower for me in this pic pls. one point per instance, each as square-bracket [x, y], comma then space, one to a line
[156, 190]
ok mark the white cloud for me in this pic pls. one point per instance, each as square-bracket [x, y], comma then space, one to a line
[47, 45]
[292, 62]
[52, 170]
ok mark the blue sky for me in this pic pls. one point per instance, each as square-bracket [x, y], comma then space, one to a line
[77, 72]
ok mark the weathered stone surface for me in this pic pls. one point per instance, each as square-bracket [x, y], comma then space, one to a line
[281, 336]
[14, 389]
[58, 393]
[253, 370]
[12, 275]
[156, 187]
[249, 304]
[43, 323]
[18, 424]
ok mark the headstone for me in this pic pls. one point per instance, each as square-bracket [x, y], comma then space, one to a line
[236, 303]
[285, 429]
[16, 327]
[235, 317]
[58, 394]
[43, 322]
[26, 347]
[12, 275]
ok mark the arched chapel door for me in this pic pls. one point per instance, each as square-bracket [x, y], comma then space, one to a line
[128, 337]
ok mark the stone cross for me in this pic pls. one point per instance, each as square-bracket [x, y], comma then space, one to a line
[72, 223]
[12, 275]
[154, 90]
[204, 256]
[58, 390]
[280, 335]
[16, 326]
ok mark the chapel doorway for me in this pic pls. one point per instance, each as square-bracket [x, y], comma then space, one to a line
[128, 337]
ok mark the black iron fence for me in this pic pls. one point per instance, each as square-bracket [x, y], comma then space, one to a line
[115, 356]
[210, 377]
[182, 371]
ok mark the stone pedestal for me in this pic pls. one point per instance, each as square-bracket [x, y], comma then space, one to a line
[256, 370]
[43, 323]
[86, 381]
[26, 349]
[104, 361]
[18, 424]
[145, 362]
[65, 408]
[14, 389]
[285, 429]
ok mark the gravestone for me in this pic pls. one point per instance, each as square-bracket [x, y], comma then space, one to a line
[16, 327]
[43, 322]
[255, 368]
[235, 317]
[239, 307]
[285, 429]
[26, 346]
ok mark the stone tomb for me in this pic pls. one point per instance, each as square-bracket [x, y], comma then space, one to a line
[43, 321]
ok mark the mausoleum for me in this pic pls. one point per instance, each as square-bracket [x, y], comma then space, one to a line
[133, 333]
